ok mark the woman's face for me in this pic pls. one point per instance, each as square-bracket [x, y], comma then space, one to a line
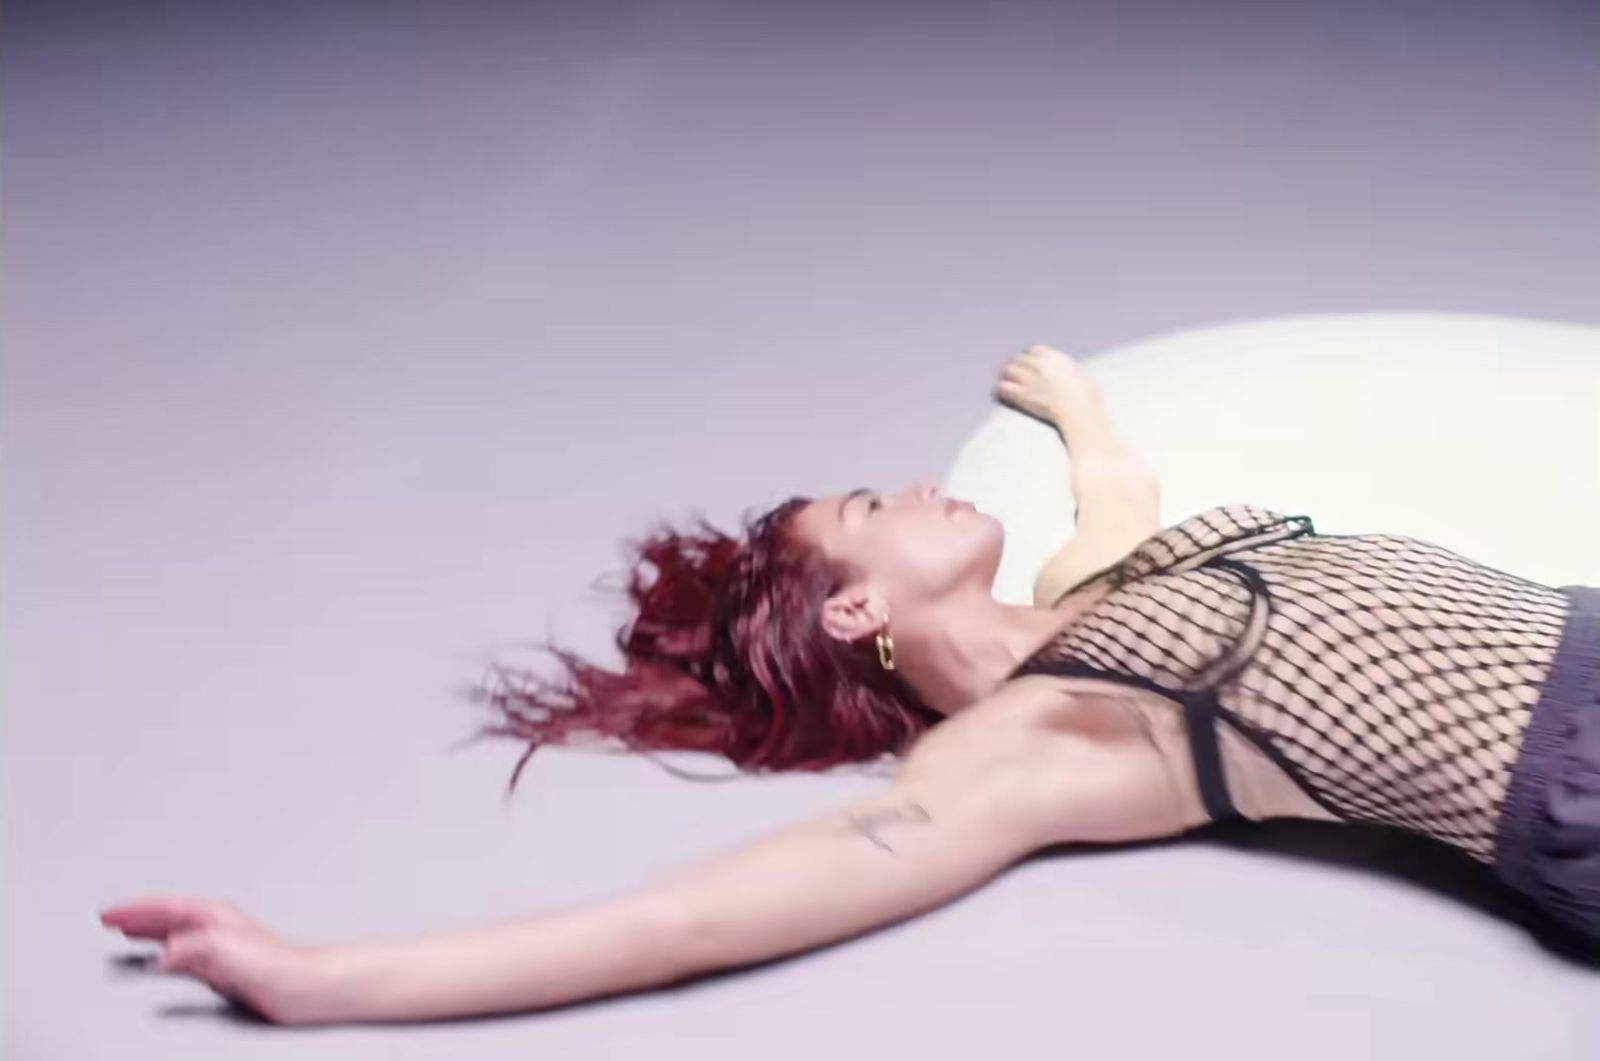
[907, 549]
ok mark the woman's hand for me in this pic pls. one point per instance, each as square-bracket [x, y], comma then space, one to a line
[236, 956]
[1045, 383]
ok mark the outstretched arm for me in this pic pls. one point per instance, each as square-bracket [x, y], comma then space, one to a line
[1117, 495]
[1107, 473]
[949, 823]
[872, 862]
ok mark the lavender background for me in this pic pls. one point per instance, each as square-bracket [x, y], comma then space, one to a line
[343, 343]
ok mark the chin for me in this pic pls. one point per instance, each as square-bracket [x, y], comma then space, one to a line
[991, 525]
[993, 538]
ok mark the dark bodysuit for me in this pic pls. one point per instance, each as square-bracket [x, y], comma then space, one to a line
[1390, 678]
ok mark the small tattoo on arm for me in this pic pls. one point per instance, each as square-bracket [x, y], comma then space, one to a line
[866, 824]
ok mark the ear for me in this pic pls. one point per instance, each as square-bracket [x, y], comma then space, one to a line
[855, 612]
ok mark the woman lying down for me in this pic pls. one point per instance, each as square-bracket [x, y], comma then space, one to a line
[1235, 665]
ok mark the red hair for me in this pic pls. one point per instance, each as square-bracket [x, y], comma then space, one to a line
[727, 655]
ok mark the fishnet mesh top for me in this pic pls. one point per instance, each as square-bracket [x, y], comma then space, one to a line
[1389, 677]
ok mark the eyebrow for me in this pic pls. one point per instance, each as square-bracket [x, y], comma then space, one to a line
[851, 496]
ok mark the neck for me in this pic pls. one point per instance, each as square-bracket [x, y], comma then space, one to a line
[961, 651]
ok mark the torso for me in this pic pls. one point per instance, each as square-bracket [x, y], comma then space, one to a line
[1107, 721]
[1376, 678]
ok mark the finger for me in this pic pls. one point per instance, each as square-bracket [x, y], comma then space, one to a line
[185, 953]
[148, 917]
[157, 917]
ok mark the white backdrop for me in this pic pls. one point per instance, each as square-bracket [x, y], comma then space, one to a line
[1480, 433]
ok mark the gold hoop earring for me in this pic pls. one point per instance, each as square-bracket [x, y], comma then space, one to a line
[885, 651]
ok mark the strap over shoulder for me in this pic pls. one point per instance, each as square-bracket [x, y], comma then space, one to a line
[1216, 531]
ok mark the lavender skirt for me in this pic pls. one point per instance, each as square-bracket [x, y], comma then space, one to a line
[1548, 846]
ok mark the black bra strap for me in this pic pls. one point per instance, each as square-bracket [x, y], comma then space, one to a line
[1200, 717]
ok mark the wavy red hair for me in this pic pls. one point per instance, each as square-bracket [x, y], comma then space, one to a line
[726, 654]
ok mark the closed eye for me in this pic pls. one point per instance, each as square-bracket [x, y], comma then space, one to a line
[874, 503]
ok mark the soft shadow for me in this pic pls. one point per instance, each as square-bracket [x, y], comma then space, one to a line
[131, 964]
[142, 963]
[1416, 860]
[225, 1012]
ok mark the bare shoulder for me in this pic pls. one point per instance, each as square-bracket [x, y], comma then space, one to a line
[1106, 533]
[1076, 758]
[1090, 740]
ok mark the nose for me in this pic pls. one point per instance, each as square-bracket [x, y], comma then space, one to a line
[927, 492]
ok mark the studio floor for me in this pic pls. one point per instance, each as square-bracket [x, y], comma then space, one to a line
[343, 344]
